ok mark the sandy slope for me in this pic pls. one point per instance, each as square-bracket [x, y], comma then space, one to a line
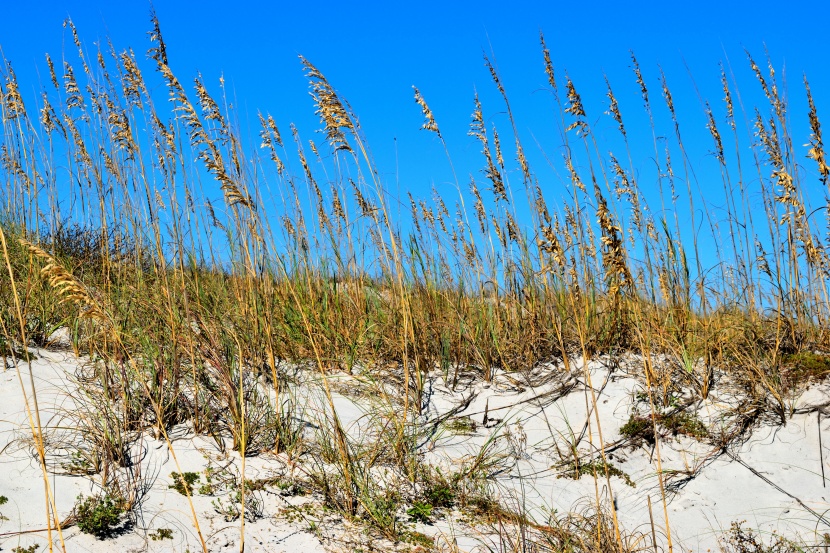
[772, 478]
[21, 483]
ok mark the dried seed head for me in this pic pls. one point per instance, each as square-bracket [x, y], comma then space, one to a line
[158, 52]
[497, 147]
[49, 119]
[67, 286]
[270, 135]
[713, 130]
[816, 151]
[366, 207]
[727, 99]
[330, 108]
[52, 74]
[479, 131]
[210, 109]
[575, 180]
[640, 81]
[614, 108]
[614, 262]
[132, 81]
[414, 210]
[11, 165]
[12, 100]
[478, 205]
[575, 108]
[512, 228]
[548, 64]
[429, 123]
[77, 41]
[73, 93]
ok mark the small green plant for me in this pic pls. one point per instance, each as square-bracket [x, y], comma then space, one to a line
[97, 515]
[286, 487]
[217, 480]
[640, 429]
[805, 367]
[684, 423]
[420, 512]
[418, 538]
[745, 540]
[440, 495]
[21, 549]
[461, 425]
[231, 507]
[596, 467]
[183, 483]
[162, 534]
[3, 499]
[79, 463]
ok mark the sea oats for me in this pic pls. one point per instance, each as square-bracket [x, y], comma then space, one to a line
[548, 63]
[713, 130]
[575, 108]
[330, 108]
[497, 148]
[727, 99]
[73, 93]
[69, 288]
[78, 45]
[614, 262]
[158, 52]
[52, 75]
[366, 208]
[513, 232]
[575, 179]
[12, 100]
[270, 136]
[414, 213]
[132, 80]
[479, 131]
[614, 108]
[49, 119]
[11, 164]
[640, 81]
[337, 206]
[816, 151]
[429, 123]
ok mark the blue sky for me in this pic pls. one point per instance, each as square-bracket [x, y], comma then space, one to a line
[373, 52]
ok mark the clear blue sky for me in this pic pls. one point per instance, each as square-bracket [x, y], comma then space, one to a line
[373, 52]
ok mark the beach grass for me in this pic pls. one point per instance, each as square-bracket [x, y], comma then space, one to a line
[196, 311]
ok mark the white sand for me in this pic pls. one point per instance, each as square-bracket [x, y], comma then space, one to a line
[778, 496]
